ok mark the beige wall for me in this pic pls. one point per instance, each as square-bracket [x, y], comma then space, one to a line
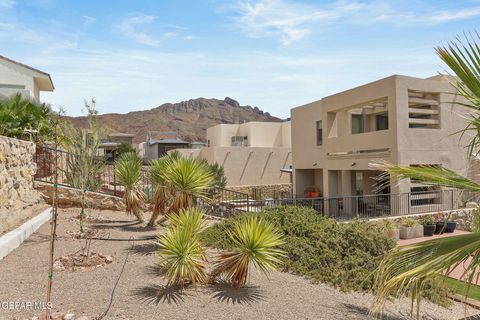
[18, 79]
[404, 145]
[260, 134]
[247, 165]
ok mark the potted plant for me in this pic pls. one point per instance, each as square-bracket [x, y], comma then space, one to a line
[429, 226]
[410, 229]
[440, 228]
[390, 228]
[451, 225]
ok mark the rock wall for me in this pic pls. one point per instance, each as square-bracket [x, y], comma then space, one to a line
[70, 197]
[265, 191]
[18, 198]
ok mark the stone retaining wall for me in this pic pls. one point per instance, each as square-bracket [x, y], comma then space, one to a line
[266, 191]
[18, 198]
[70, 197]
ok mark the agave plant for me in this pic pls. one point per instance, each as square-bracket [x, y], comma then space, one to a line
[255, 241]
[128, 169]
[182, 254]
[187, 180]
[407, 268]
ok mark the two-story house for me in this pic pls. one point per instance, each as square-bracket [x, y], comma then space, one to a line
[252, 154]
[16, 77]
[403, 120]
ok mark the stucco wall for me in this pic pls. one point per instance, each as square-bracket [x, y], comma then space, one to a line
[18, 197]
[12, 74]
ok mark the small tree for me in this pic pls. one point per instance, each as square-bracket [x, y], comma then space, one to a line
[124, 148]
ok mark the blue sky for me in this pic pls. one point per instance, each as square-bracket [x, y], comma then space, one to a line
[275, 54]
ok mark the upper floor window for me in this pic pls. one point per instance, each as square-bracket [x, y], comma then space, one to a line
[358, 125]
[423, 110]
[239, 141]
[319, 133]
[381, 121]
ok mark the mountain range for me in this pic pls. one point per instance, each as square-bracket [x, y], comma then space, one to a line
[190, 119]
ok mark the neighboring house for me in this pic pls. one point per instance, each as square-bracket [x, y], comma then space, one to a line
[159, 143]
[110, 143]
[16, 77]
[252, 153]
[403, 120]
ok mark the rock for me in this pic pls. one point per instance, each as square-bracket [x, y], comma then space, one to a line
[108, 259]
[69, 316]
[82, 318]
[57, 265]
[56, 316]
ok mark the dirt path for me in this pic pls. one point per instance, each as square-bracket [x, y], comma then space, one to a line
[141, 293]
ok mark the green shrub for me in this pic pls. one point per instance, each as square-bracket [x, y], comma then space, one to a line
[344, 255]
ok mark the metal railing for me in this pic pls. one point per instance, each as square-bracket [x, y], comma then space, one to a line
[363, 207]
[224, 202]
[105, 181]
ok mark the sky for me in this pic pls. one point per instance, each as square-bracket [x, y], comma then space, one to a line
[274, 54]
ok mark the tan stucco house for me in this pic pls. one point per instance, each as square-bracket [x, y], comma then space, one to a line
[399, 119]
[252, 153]
[16, 77]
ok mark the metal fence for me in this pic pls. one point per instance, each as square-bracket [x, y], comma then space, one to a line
[366, 206]
[104, 181]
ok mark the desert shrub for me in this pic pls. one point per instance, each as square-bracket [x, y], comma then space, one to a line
[344, 255]
[324, 250]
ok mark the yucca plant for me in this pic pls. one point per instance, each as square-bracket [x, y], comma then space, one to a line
[191, 218]
[255, 241]
[128, 169]
[187, 180]
[161, 191]
[407, 269]
[182, 255]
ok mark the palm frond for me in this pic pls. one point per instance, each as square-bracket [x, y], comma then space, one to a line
[407, 268]
[429, 175]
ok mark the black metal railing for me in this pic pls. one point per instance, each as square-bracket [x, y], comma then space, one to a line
[104, 181]
[363, 207]
[224, 202]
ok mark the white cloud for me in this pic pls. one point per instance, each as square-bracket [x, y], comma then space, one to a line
[7, 3]
[290, 21]
[447, 16]
[88, 20]
[129, 27]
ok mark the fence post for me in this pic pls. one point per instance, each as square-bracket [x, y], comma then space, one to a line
[248, 203]
[114, 180]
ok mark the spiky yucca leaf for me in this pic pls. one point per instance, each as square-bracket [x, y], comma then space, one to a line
[128, 169]
[161, 194]
[188, 179]
[191, 218]
[255, 241]
[182, 257]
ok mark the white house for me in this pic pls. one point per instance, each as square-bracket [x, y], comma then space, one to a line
[16, 77]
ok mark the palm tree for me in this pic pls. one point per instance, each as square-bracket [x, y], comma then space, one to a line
[406, 269]
[21, 118]
[128, 168]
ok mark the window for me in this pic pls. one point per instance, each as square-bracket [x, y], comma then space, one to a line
[208, 143]
[357, 123]
[319, 133]
[381, 121]
[239, 141]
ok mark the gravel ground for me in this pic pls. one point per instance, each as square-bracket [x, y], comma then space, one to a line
[141, 293]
